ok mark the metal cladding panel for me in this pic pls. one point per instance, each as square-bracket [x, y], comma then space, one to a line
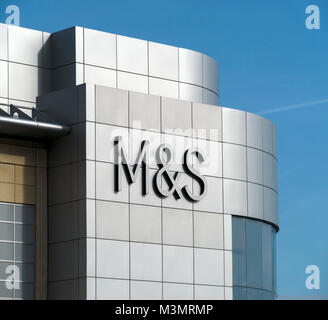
[125, 227]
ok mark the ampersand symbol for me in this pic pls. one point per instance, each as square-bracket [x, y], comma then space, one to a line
[171, 180]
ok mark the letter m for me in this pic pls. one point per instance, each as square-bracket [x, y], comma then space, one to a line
[131, 171]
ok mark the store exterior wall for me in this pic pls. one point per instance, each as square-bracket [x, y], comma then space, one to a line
[127, 245]
[107, 240]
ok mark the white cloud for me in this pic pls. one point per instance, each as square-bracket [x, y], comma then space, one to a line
[293, 107]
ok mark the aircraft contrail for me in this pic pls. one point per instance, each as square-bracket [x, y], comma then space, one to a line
[293, 107]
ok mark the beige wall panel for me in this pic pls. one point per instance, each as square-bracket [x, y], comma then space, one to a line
[17, 155]
[25, 175]
[24, 194]
[7, 192]
[6, 173]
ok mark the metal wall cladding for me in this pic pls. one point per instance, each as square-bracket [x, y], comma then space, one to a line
[101, 241]
[189, 244]
[77, 55]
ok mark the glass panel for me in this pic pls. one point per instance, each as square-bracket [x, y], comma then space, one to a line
[24, 233]
[254, 253]
[239, 251]
[4, 291]
[25, 291]
[254, 259]
[3, 267]
[6, 251]
[254, 294]
[25, 214]
[267, 258]
[26, 272]
[274, 259]
[239, 293]
[24, 253]
[7, 231]
[268, 295]
[6, 212]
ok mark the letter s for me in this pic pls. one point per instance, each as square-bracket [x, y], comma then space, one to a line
[194, 174]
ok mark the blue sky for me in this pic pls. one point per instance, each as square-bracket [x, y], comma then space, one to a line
[268, 60]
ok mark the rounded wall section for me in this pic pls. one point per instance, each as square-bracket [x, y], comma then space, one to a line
[133, 64]
[198, 71]
[250, 196]
[78, 55]
[250, 185]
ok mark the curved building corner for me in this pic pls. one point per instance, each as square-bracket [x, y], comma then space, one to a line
[123, 178]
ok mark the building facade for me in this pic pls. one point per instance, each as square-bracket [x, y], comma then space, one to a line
[123, 178]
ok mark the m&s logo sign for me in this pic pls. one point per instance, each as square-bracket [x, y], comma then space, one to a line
[166, 183]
